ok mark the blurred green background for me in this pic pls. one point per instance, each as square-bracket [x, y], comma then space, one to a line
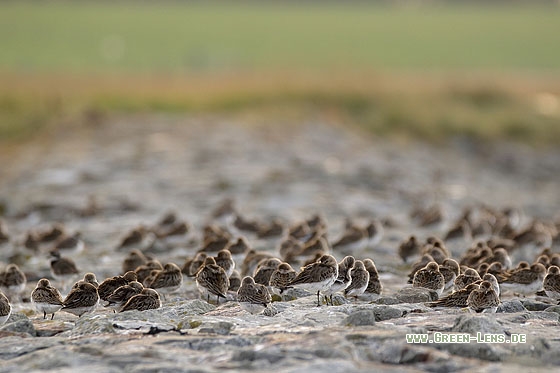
[426, 70]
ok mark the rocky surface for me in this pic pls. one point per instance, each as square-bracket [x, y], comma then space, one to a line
[139, 168]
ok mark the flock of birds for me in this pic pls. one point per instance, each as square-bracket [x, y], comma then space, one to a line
[225, 267]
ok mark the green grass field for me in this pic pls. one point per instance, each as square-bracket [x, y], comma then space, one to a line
[174, 36]
[427, 72]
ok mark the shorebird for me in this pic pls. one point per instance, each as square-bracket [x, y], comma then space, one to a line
[469, 276]
[63, 269]
[374, 284]
[133, 260]
[122, 294]
[191, 267]
[318, 276]
[212, 280]
[224, 260]
[456, 299]
[46, 298]
[81, 299]
[145, 270]
[409, 248]
[139, 238]
[360, 280]
[449, 268]
[264, 270]
[108, 286]
[167, 280]
[234, 281]
[483, 299]
[148, 299]
[5, 308]
[526, 280]
[429, 277]
[353, 239]
[281, 277]
[252, 297]
[551, 283]
[12, 281]
[343, 280]
[71, 244]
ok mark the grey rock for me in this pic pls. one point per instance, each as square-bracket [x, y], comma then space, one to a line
[522, 318]
[250, 355]
[482, 351]
[219, 327]
[511, 306]
[416, 295]
[14, 346]
[360, 318]
[386, 300]
[473, 324]
[555, 309]
[532, 305]
[19, 323]
[401, 353]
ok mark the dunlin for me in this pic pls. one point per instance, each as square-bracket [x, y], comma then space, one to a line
[418, 265]
[483, 299]
[318, 276]
[139, 238]
[91, 279]
[526, 280]
[551, 283]
[12, 281]
[251, 260]
[273, 229]
[5, 308]
[429, 277]
[71, 244]
[168, 280]
[374, 283]
[133, 260]
[81, 299]
[264, 270]
[461, 230]
[456, 299]
[408, 248]
[281, 277]
[469, 276]
[46, 298]
[353, 239]
[449, 268]
[108, 286]
[212, 280]
[252, 297]
[123, 293]
[343, 280]
[145, 270]
[239, 246]
[63, 269]
[234, 281]
[148, 299]
[360, 280]
[224, 260]
[195, 264]
[4, 236]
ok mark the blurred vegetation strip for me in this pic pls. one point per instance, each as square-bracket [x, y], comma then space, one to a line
[430, 107]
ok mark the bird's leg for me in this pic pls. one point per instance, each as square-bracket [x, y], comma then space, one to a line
[318, 299]
[44, 315]
[52, 317]
[208, 297]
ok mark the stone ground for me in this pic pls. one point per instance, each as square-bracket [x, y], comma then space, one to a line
[137, 168]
